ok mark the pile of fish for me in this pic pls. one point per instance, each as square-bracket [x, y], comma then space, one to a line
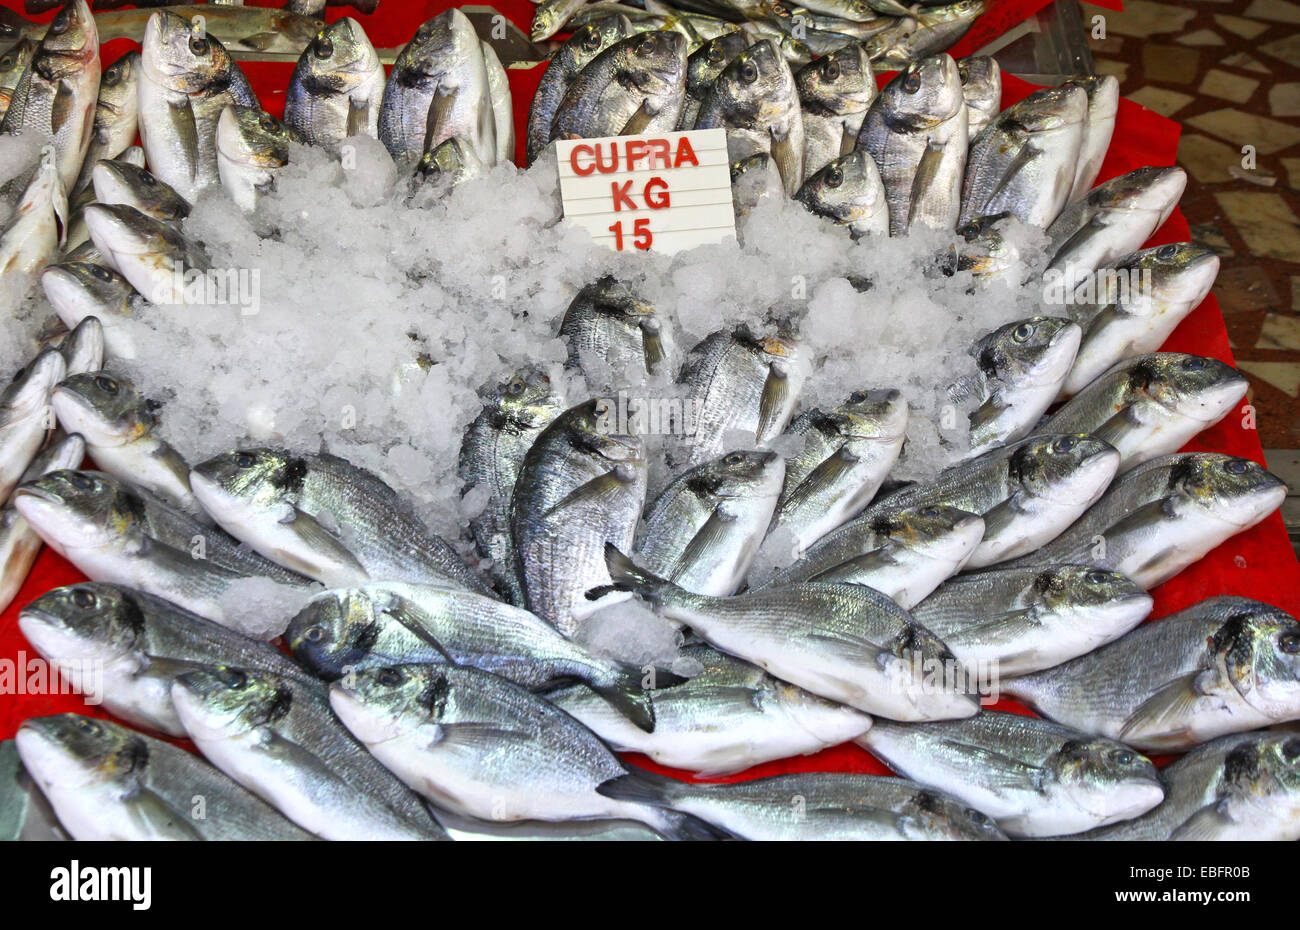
[443, 688]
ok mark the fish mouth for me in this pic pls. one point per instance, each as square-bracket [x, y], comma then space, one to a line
[111, 233]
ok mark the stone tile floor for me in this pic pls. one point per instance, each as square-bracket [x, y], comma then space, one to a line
[1229, 71]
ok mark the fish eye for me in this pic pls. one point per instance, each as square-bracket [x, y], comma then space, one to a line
[929, 511]
[198, 45]
[715, 54]
[975, 816]
[1123, 756]
[82, 481]
[1167, 251]
[147, 179]
[1097, 577]
[268, 123]
[834, 177]
[748, 72]
[389, 677]
[1289, 643]
[1195, 363]
[7, 63]
[232, 678]
[1291, 750]
[1236, 466]
[912, 83]
[86, 725]
[323, 48]
[591, 41]
[314, 633]
[1022, 332]
[1064, 444]
[106, 384]
[245, 459]
[83, 598]
[60, 23]
[647, 46]
[734, 458]
[111, 75]
[515, 388]
[101, 272]
[831, 70]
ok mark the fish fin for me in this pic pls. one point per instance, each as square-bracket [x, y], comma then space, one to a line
[637, 123]
[652, 345]
[316, 537]
[789, 162]
[407, 618]
[1002, 517]
[865, 649]
[739, 695]
[627, 576]
[626, 695]
[831, 469]
[1002, 770]
[927, 171]
[258, 41]
[1163, 713]
[655, 791]
[773, 406]
[181, 117]
[710, 534]
[593, 490]
[1016, 165]
[61, 109]
[158, 817]
[358, 118]
[477, 738]
[1208, 823]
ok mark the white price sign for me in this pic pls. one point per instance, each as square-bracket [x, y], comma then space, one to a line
[662, 192]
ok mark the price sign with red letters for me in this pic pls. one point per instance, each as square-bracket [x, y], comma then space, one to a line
[660, 192]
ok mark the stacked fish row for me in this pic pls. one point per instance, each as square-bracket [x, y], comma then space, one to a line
[824, 603]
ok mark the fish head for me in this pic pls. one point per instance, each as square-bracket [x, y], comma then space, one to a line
[653, 62]
[119, 84]
[339, 59]
[334, 632]
[180, 56]
[103, 407]
[706, 63]
[980, 74]
[222, 702]
[990, 250]
[441, 44]
[1067, 468]
[28, 394]
[251, 136]
[1181, 272]
[932, 681]
[879, 414]
[1036, 351]
[71, 751]
[1258, 649]
[1046, 110]
[927, 814]
[739, 476]
[1235, 490]
[77, 509]
[449, 162]
[936, 531]
[925, 93]
[241, 487]
[526, 401]
[840, 82]
[120, 182]
[590, 39]
[382, 704]
[1260, 784]
[1090, 594]
[119, 230]
[847, 188]
[12, 65]
[1104, 778]
[77, 290]
[83, 348]
[830, 722]
[1193, 386]
[591, 429]
[85, 622]
[70, 44]
[757, 87]
[1150, 188]
[612, 297]
[1102, 93]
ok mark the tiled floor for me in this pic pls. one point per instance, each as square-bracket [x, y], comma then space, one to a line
[1230, 73]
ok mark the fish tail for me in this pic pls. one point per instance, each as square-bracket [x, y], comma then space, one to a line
[627, 576]
[625, 693]
[653, 795]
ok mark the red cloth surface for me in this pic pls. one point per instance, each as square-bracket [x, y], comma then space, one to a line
[1259, 563]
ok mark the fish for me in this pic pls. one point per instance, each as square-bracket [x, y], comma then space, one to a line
[615, 336]
[992, 250]
[1165, 514]
[19, 543]
[636, 85]
[1098, 127]
[187, 80]
[1033, 777]
[492, 451]
[550, 17]
[36, 230]
[935, 29]
[120, 182]
[325, 518]
[582, 484]
[755, 179]
[847, 643]
[241, 28]
[846, 454]
[849, 191]
[1153, 404]
[450, 163]
[80, 290]
[755, 99]
[1224, 665]
[981, 86]
[1023, 162]
[106, 782]
[318, 7]
[336, 87]
[54, 100]
[728, 718]
[1111, 221]
[503, 108]
[116, 112]
[121, 535]
[125, 648]
[26, 417]
[13, 64]
[121, 432]
[15, 28]
[1240, 787]
[702, 69]
[274, 735]
[1022, 620]
[252, 145]
[438, 89]
[480, 746]
[703, 530]
[822, 806]
[1131, 321]
[834, 94]
[1022, 367]
[853, 11]
[915, 132]
[471, 829]
[25, 815]
[152, 255]
[1027, 492]
[562, 70]
[903, 552]
[383, 624]
[737, 381]
[82, 348]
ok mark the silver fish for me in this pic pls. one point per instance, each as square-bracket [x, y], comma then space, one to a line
[935, 29]
[1163, 515]
[451, 162]
[981, 85]
[13, 64]
[992, 250]
[1098, 127]
[916, 133]
[703, 530]
[106, 782]
[25, 814]
[19, 543]
[551, 16]
[503, 108]
[151, 254]
[26, 417]
[80, 290]
[1034, 777]
[120, 182]
[702, 69]
[581, 485]
[615, 337]
[1023, 162]
[848, 643]
[635, 85]
[35, 232]
[125, 648]
[1021, 620]
[1152, 405]
[755, 179]
[1225, 665]
[252, 146]
[849, 191]
[116, 114]
[834, 93]
[274, 734]
[336, 87]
